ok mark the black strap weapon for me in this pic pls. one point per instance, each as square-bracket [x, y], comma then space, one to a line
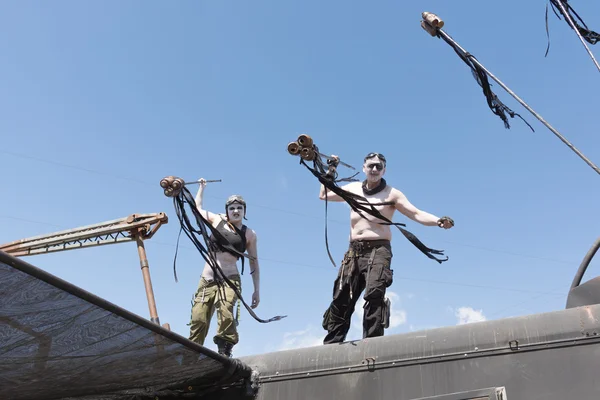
[570, 14]
[581, 29]
[182, 197]
[308, 151]
[433, 25]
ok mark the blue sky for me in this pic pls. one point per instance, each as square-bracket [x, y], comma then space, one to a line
[101, 100]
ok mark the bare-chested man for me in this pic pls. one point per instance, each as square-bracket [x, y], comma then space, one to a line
[366, 264]
[209, 297]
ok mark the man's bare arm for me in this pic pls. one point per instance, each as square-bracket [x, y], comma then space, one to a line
[412, 212]
[199, 199]
[330, 195]
[254, 269]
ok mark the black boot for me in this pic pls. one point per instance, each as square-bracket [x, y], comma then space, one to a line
[224, 346]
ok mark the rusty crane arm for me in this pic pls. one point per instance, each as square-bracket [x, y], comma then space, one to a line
[133, 228]
[110, 232]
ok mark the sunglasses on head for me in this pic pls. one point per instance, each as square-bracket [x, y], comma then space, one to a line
[378, 155]
[379, 166]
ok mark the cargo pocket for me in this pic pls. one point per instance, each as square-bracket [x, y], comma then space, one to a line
[387, 276]
[386, 311]
[380, 275]
[201, 296]
[326, 319]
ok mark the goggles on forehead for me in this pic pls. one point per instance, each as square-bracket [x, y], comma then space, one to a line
[373, 155]
[235, 199]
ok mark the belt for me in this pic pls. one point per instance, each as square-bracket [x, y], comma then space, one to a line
[209, 282]
[366, 245]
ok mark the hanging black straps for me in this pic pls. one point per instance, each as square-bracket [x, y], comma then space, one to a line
[494, 103]
[361, 206]
[180, 201]
[589, 35]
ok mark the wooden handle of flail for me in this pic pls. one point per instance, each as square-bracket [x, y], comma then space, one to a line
[431, 23]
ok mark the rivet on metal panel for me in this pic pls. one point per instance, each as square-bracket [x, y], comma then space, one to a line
[513, 344]
[370, 361]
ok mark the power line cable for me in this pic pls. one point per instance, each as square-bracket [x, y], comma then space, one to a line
[263, 206]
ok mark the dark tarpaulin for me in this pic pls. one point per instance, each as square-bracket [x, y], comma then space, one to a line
[58, 341]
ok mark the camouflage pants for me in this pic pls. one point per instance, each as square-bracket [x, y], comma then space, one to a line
[208, 298]
[366, 266]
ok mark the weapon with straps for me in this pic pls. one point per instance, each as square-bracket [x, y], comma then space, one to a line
[180, 200]
[583, 32]
[432, 24]
[308, 151]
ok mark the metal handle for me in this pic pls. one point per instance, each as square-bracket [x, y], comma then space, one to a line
[172, 185]
[198, 181]
[585, 263]
[341, 162]
[306, 149]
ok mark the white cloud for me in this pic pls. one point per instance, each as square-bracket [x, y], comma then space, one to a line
[466, 315]
[398, 316]
[308, 337]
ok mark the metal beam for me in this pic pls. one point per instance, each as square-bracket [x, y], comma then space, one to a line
[110, 232]
[134, 228]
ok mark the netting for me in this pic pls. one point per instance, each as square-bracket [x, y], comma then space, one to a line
[58, 341]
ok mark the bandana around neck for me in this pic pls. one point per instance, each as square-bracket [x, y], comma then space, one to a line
[379, 188]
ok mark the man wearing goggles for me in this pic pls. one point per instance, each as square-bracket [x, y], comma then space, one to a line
[366, 264]
[210, 296]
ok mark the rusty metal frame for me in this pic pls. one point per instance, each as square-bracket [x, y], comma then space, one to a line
[110, 232]
[133, 228]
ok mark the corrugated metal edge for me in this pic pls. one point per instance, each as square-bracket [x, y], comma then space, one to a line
[529, 332]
